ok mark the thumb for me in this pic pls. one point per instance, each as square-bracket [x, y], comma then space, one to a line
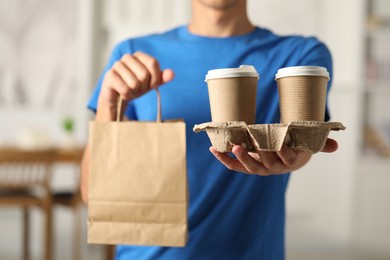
[330, 146]
[167, 75]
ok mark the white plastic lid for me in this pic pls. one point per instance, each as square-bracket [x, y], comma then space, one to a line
[302, 71]
[242, 71]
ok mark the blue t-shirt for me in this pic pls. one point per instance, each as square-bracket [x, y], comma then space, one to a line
[231, 215]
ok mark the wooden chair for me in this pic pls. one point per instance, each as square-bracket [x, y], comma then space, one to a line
[25, 182]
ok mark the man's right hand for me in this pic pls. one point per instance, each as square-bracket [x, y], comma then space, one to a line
[130, 77]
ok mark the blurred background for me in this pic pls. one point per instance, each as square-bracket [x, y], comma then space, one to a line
[53, 51]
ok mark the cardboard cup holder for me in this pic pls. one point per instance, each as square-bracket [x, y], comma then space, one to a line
[308, 136]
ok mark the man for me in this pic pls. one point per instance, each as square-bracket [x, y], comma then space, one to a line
[231, 215]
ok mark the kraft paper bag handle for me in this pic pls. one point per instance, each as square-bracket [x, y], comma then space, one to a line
[120, 101]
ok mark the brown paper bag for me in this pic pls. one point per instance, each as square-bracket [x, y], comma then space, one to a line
[138, 183]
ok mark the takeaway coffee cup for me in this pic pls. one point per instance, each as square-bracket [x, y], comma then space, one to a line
[302, 93]
[232, 94]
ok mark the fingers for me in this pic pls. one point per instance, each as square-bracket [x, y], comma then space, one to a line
[157, 77]
[133, 76]
[167, 75]
[228, 161]
[152, 67]
[251, 165]
[268, 163]
[331, 146]
[263, 163]
[124, 76]
[244, 162]
[293, 159]
[140, 73]
[287, 155]
[272, 161]
[120, 86]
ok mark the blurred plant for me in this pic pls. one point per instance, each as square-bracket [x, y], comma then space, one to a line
[68, 125]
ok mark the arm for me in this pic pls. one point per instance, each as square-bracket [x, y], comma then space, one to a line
[130, 77]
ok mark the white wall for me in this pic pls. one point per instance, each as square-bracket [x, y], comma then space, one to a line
[286, 17]
[129, 18]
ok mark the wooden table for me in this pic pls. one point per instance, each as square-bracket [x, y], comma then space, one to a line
[54, 154]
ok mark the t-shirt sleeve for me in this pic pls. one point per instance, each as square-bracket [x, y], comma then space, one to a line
[117, 53]
[315, 53]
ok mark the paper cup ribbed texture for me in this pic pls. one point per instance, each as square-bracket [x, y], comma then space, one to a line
[232, 94]
[302, 98]
[233, 99]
